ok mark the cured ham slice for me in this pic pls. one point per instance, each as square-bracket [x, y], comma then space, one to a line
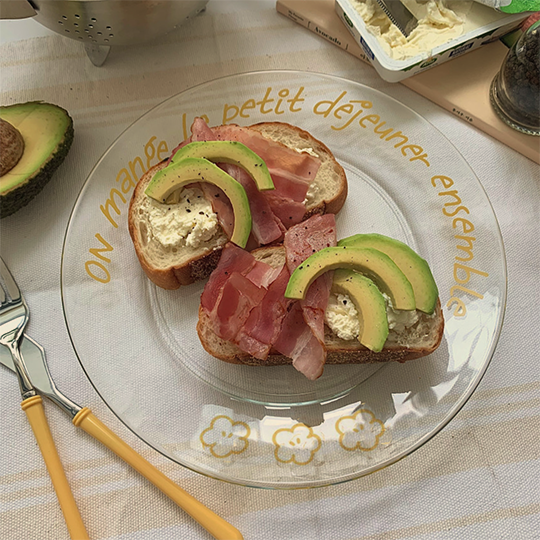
[246, 304]
[311, 236]
[291, 171]
[265, 226]
[278, 157]
[201, 132]
[233, 259]
[302, 335]
[263, 274]
[265, 321]
[288, 211]
[237, 286]
[238, 297]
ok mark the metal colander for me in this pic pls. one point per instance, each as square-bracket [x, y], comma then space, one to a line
[100, 24]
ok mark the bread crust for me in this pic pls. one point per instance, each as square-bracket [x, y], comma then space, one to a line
[201, 267]
[344, 353]
[175, 276]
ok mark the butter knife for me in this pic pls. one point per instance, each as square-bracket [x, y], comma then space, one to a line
[38, 371]
[398, 14]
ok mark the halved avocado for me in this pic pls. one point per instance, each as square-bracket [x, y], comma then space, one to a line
[47, 131]
[232, 152]
[370, 305]
[178, 175]
[375, 264]
[409, 262]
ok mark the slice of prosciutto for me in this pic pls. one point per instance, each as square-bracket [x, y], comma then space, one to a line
[302, 335]
[237, 286]
[233, 259]
[291, 171]
[238, 298]
[266, 227]
[265, 321]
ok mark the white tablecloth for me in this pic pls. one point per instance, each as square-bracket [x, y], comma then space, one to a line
[478, 479]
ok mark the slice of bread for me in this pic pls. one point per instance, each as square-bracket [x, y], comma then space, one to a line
[416, 341]
[171, 268]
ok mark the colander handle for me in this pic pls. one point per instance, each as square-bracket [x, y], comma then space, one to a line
[16, 9]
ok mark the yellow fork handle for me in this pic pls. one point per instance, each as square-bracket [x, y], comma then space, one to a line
[33, 407]
[216, 526]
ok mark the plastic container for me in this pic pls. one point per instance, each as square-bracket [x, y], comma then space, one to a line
[392, 70]
[515, 90]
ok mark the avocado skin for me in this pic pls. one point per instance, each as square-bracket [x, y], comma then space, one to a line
[21, 195]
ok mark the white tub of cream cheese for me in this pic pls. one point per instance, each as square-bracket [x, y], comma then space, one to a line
[446, 30]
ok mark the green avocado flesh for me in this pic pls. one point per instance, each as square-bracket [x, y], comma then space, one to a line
[409, 262]
[232, 152]
[374, 264]
[370, 305]
[47, 131]
[180, 174]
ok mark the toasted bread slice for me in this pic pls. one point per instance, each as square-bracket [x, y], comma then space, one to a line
[416, 341]
[171, 268]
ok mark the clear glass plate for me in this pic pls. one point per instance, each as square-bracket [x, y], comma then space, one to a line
[270, 427]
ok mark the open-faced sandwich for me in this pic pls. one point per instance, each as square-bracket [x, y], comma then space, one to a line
[247, 185]
[316, 301]
[254, 209]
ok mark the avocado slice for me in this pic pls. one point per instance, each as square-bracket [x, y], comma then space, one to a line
[375, 264]
[370, 305]
[180, 174]
[232, 152]
[408, 261]
[47, 131]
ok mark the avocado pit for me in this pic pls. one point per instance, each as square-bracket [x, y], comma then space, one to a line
[12, 145]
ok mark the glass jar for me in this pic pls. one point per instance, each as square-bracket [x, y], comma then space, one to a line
[515, 90]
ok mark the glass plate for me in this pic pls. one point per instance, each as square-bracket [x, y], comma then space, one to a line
[270, 427]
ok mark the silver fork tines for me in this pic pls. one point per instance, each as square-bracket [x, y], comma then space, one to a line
[12, 288]
[13, 319]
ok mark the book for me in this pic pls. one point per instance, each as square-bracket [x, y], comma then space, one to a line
[460, 86]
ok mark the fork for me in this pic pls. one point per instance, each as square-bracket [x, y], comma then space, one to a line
[13, 318]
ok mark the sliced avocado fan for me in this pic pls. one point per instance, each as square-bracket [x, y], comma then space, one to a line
[408, 261]
[47, 131]
[370, 305]
[233, 153]
[176, 176]
[370, 262]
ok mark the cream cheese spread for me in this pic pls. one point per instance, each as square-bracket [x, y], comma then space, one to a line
[189, 222]
[398, 320]
[309, 151]
[341, 316]
[438, 23]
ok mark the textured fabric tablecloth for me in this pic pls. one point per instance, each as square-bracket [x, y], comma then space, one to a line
[478, 479]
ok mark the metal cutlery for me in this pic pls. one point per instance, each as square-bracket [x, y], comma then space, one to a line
[13, 319]
[33, 361]
[398, 13]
